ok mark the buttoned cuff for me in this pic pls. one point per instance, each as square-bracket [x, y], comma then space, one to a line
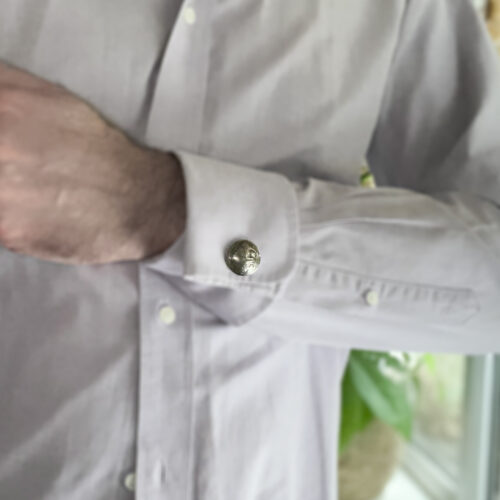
[228, 202]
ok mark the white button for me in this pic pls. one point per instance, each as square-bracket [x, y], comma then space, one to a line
[189, 15]
[167, 315]
[129, 481]
[371, 298]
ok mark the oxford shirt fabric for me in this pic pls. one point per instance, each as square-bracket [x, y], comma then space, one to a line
[173, 378]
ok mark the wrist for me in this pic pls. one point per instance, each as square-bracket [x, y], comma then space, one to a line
[168, 220]
[177, 197]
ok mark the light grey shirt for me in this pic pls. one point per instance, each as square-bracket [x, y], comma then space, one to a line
[174, 378]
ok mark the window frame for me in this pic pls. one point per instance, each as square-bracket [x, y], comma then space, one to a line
[480, 448]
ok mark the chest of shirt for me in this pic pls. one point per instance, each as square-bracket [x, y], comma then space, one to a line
[293, 87]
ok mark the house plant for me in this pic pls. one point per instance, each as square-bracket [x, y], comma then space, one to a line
[379, 394]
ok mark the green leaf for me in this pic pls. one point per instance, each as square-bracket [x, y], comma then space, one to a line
[386, 398]
[416, 382]
[355, 415]
[430, 362]
[390, 361]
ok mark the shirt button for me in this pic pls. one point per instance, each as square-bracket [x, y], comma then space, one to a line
[167, 315]
[129, 481]
[371, 298]
[189, 15]
[242, 257]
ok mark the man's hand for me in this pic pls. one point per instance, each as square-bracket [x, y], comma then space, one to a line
[73, 188]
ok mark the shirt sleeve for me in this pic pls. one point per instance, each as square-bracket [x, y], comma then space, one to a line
[411, 265]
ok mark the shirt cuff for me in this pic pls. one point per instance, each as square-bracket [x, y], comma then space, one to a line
[228, 202]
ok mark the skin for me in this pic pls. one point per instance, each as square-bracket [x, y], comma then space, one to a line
[75, 189]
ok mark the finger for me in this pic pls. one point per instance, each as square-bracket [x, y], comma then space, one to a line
[13, 76]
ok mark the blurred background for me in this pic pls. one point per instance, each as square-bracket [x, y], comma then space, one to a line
[422, 426]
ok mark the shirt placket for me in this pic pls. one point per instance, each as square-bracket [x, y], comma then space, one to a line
[165, 391]
[175, 120]
[164, 431]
